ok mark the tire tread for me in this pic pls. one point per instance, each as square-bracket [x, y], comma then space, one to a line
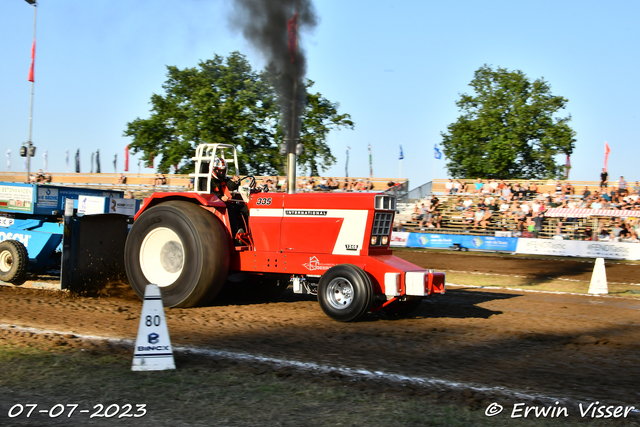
[18, 271]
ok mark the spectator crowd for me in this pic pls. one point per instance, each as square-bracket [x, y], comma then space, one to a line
[521, 207]
[311, 184]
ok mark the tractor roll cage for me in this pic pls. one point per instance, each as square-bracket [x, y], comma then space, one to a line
[205, 153]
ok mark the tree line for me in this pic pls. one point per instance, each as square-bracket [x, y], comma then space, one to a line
[507, 130]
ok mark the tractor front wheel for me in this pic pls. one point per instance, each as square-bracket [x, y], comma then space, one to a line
[180, 247]
[345, 292]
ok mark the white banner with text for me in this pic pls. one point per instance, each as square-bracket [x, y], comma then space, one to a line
[579, 248]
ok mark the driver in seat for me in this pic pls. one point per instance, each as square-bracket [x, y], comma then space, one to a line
[222, 186]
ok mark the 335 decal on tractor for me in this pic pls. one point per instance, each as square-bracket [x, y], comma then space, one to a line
[333, 245]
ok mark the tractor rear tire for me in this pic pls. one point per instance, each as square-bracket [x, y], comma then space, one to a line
[345, 293]
[13, 261]
[180, 247]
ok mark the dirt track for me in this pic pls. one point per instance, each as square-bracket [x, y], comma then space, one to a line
[562, 346]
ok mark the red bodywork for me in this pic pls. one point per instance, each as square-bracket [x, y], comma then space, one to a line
[307, 233]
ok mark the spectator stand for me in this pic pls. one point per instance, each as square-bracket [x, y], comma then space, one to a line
[558, 224]
[143, 185]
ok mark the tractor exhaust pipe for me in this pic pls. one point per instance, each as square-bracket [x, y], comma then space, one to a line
[292, 152]
[291, 145]
[291, 173]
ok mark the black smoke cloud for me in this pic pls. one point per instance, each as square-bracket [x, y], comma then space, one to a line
[264, 24]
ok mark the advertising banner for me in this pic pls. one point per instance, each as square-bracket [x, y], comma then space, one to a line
[426, 240]
[488, 243]
[48, 197]
[546, 247]
[16, 198]
[574, 248]
[399, 239]
[578, 248]
[613, 250]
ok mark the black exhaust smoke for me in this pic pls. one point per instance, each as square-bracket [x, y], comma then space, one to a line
[272, 27]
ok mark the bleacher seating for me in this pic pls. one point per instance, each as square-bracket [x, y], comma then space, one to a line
[452, 219]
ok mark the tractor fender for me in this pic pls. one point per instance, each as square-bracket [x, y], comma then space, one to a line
[202, 199]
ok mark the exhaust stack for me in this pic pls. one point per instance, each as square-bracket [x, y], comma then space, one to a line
[272, 28]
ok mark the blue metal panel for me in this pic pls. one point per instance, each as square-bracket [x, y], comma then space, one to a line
[40, 245]
[43, 199]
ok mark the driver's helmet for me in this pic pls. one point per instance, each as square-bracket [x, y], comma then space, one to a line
[219, 170]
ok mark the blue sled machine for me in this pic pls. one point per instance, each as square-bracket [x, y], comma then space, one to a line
[44, 226]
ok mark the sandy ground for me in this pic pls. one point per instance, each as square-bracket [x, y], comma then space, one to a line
[583, 348]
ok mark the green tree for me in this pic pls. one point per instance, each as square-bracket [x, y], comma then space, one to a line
[507, 129]
[226, 101]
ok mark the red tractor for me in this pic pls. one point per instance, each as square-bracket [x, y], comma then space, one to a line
[333, 245]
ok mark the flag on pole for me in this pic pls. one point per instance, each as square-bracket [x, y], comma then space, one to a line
[115, 163]
[78, 161]
[401, 153]
[568, 165]
[67, 160]
[97, 161]
[150, 161]
[370, 163]
[45, 158]
[92, 158]
[126, 158]
[437, 154]
[346, 165]
[292, 26]
[606, 154]
[9, 159]
[33, 60]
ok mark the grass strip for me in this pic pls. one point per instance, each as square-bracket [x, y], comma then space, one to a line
[204, 391]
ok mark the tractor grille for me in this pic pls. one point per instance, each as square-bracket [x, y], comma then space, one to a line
[382, 222]
[385, 202]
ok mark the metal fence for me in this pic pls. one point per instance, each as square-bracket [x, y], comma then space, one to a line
[419, 193]
[400, 190]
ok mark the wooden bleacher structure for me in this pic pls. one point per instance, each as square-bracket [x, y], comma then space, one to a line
[142, 184]
[452, 219]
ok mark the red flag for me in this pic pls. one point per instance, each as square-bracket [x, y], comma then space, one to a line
[126, 158]
[292, 26]
[568, 166]
[606, 154]
[33, 60]
[150, 161]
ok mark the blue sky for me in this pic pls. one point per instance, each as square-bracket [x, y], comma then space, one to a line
[396, 67]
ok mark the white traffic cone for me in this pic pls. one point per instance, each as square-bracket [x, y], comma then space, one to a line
[153, 350]
[598, 283]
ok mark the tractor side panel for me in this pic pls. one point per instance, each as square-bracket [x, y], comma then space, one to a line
[325, 224]
[265, 218]
[310, 234]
